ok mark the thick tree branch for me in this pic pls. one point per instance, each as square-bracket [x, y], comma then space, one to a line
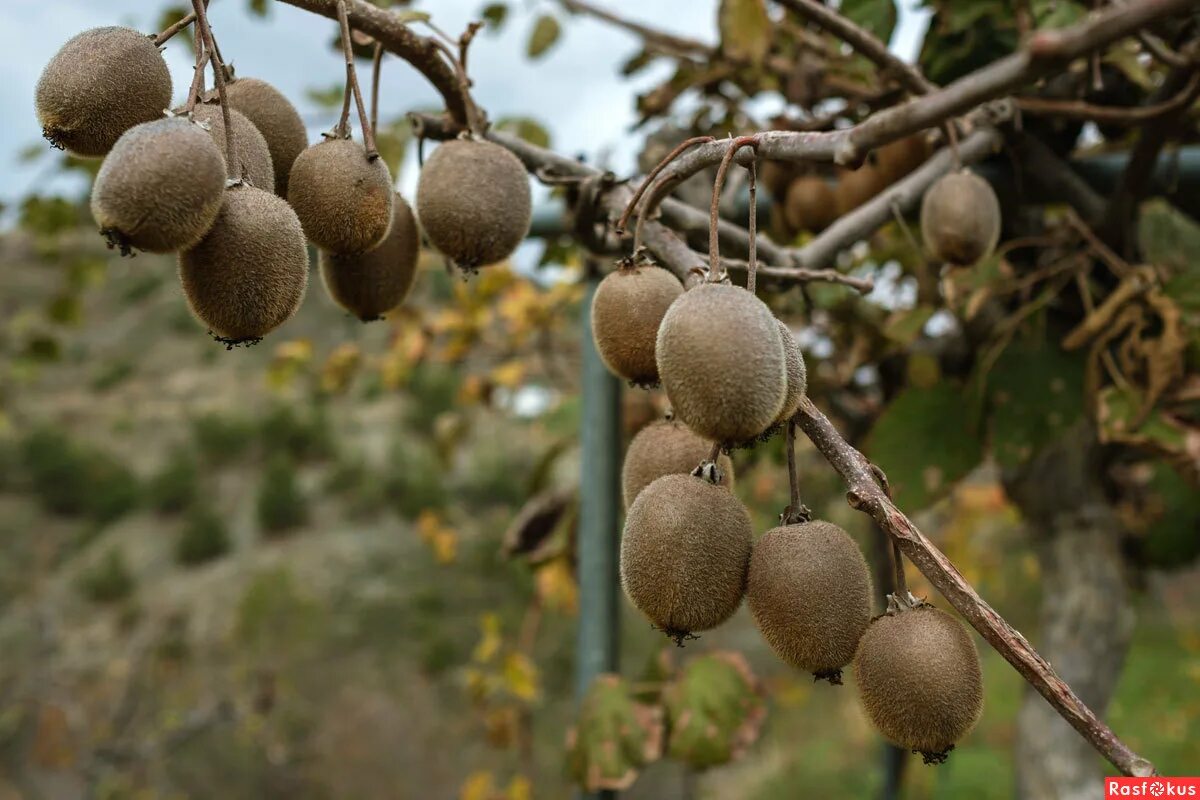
[398, 38]
[863, 42]
[866, 495]
[1046, 52]
[1055, 177]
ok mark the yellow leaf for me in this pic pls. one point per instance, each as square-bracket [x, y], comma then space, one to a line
[520, 788]
[340, 368]
[745, 29]
[521, 677]
[490, 639]
[477, 786]
[556, 586]
[509, 374]
[445, 546]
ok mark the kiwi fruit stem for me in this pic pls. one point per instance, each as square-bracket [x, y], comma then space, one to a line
[343, 126]
[210, 44]
[709, 469]
[796, 512]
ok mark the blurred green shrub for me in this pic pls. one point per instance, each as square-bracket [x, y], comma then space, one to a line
[177, 486]
[432, 389]
[302, 437]
[281, 504]
[204, 537]
[222, 439]
[109, 580]
[414, 480]
[74, 480]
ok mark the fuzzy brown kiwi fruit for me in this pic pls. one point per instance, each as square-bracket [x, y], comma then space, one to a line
[899, 158]
[721, 362]
[960, 218]
[797, 373]
[777, 176]
[810, 594]
[811, 204]
[855, 187]
[627, 308]
[473, 201]
[919, 679]
[666, 447]
[100, 84]
[276, 119]
[247, 276]
[371, 283]
[252, 151]
[684, 554]
[343, 199]
[160, 187]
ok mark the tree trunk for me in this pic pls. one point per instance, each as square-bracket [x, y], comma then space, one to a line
[1086, 615]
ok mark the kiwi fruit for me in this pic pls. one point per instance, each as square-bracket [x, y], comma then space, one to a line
[252, 151]
[371, 283]
[684, 554]
[960, 218]
[666, 447]
[721, 362]
[160, 188]
[276, 119]
[811, 204]
[474, 202]
[810, 594]
[98, 85]
[343, 199]
[919, 679]
[899, 158]
[777, 176]
[857, 186]
[627, 308]
[797, 374]
[247, 276]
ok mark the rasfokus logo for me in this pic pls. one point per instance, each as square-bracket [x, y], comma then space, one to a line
[1151, 787]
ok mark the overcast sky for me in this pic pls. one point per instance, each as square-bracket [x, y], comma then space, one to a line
[575, 89]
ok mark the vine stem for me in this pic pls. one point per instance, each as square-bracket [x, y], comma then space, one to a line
[376, 69]
[233, 162]
[716, 272]
[197, 89]
[368, 130]
[623, 222]
[752, 229]
[793, 473]
[474, 115]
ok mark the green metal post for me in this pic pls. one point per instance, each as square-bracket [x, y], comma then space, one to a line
[599, 514]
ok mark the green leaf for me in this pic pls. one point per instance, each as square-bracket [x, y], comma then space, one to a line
[715, 709]
[1057, 13]
[1036, 393]
[924, 441]
[545, 33]
[527, 128]
[494, 14]
[877, 16]
[613, 738]
[329, 97]
[409, 17]
[172, 14]
[258, 7]
[1118, 411]
[1172, 540]
[392, 140]
[745, 29]
[904, 327]
[1169, 238]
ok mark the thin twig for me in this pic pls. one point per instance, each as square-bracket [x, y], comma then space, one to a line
[368, 130]
[789, 428]
[866, 494]
[623, 222]
[175, 28]
[233, 161]
[1112, 115]
[715, 273]
[752, 229]
[1159, 49]
[197, 88]
[376, 69]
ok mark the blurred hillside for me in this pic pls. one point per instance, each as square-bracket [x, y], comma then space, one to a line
[280, 572]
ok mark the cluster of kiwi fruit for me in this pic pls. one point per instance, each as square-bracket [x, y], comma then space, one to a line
[163, 187]
[810, 200]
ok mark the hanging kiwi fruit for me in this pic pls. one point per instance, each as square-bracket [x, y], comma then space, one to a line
[372, 283]
[254, 157]
[276, 119]
[811, 204]
[919, 678]
[100, 84]
[627, 308]
[666, 447]
[684, 554]
[342, 196]
[960, 218]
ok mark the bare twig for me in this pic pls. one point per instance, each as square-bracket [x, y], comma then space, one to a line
[866, 494]
[715, 273]
[175, 28]
[1113, 115]
[376, 71]
[863, 42]
[667, 42]
[1159, 49]
[752, 229]
[396, 37]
